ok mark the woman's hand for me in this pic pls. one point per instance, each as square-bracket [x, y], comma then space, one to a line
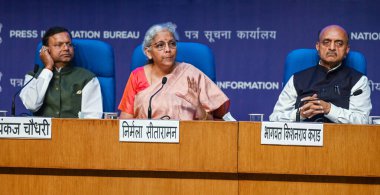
[193, 91]
[124, 115]
[193, 96]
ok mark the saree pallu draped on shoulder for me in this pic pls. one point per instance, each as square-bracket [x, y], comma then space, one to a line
[167, 104]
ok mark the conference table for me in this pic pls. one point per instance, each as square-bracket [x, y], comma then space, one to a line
[85, 156]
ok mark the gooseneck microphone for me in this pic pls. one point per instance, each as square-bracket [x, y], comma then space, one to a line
[164, 79]
[298, 114]
[13, 110]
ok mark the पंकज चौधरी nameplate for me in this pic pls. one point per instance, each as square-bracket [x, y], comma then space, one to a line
[25, 127]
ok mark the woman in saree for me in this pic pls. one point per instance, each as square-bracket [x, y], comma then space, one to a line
[188, 93]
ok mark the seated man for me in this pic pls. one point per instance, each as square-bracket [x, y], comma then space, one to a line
[61, 90]
[329, 91]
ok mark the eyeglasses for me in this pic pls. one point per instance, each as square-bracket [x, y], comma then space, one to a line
[62, 45]
[161, 45]
[337, 43]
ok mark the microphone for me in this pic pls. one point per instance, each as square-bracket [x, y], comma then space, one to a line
[298, 114]
[164, 79]
[13, 110]
[357, 92]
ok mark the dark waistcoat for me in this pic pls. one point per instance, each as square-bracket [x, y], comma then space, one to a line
[334, 86]
[64, 95]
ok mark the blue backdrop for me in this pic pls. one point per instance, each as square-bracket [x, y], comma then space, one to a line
[250, 38]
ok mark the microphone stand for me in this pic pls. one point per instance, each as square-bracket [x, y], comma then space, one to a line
[13, 109]
[164, 79]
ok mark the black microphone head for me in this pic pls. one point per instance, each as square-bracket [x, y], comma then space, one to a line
[357, 92]
[36, 67]
[164, 79]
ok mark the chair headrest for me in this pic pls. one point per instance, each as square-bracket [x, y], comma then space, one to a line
[301, 59]
[94, 55]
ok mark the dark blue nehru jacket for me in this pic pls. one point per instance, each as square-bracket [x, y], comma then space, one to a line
[334, 86]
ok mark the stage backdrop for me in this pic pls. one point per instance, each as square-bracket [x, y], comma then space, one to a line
[250, 38]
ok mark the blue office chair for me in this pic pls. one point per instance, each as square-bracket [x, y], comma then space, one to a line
[98, 57]
[196, 54]
[301, 59]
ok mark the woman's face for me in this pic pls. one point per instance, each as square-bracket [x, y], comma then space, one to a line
[163, 49]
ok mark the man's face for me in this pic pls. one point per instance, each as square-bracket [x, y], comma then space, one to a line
[332, 46]
[60, 48]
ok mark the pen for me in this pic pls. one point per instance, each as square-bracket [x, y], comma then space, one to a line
[337, 89]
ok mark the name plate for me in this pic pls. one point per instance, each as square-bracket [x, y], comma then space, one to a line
[164, 131]
[25, 127]
[299, 134]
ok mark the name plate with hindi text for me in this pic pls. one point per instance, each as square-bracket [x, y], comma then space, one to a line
[299, 134]
[25, 127]
[163, 131]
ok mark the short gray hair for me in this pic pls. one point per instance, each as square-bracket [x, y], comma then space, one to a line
[152, 32]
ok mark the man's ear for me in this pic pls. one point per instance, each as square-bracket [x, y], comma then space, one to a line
[317, 46]
[348, 49]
